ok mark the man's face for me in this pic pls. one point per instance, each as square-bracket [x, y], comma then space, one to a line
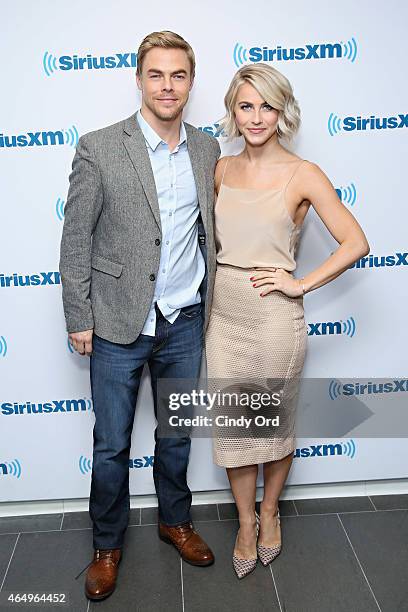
[165, 82]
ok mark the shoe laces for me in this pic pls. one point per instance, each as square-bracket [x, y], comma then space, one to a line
[100, 554]
[184, 529]
[104, 554]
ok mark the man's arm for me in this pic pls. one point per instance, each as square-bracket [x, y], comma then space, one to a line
[83, 207]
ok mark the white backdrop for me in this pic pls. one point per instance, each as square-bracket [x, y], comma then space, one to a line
[353, 66]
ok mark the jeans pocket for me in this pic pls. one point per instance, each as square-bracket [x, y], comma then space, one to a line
[191, 312]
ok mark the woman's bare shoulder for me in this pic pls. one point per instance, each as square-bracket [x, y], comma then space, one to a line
[220, 169]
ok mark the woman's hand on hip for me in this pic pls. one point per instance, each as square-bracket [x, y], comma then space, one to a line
[277, 279]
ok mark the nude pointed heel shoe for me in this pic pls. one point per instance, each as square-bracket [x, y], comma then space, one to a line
[267, 554]
[243, 567]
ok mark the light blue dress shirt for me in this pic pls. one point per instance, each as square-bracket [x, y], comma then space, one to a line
[182, 265]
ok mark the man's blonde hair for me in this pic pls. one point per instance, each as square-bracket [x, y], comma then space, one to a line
[164, 40]
[274, 88]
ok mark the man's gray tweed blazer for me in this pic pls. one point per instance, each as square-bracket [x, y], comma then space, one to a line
[110, 247]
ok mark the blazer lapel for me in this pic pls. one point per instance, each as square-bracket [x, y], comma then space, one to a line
[136, 147]
[198, 170]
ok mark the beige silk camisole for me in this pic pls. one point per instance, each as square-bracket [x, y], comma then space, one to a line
[253, 228]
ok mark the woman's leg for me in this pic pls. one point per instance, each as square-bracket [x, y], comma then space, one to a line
[275, 474]
[243, 486]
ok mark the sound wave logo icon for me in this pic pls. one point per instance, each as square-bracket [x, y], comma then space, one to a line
[240, 55]
[11, 468]
[59, 208]
[334, 124]
[348, 327]
[85, 465]
[71, 136]
[350, 49]
[334, 389]
[330, 328]
[349, 448]
[3, 346]
[347, 195]
[49, 63]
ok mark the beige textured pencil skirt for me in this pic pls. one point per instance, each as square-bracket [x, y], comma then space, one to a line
[259, 343]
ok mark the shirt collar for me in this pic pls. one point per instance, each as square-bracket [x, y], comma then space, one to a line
[151, 137]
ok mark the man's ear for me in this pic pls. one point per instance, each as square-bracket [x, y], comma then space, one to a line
[138, 81]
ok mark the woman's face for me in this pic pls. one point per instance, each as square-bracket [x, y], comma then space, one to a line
[255, 119]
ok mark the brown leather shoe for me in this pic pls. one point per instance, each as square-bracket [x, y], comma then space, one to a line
[188, 542]
[102, 573]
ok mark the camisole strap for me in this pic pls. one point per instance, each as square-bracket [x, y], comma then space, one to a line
[223, 174]
[294, 172]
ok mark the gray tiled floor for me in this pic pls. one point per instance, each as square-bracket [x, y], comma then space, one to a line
[338, 554]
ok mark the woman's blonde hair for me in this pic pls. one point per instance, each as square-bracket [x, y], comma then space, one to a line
[166, 40]
[274, 88]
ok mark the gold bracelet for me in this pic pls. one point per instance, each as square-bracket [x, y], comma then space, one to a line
[303, 285]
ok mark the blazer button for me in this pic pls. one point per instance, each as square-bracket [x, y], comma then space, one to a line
[152, 277]
[157, 241]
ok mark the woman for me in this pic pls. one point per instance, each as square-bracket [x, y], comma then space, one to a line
[257, 329]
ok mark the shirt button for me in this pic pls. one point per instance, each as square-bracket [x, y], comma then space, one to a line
[170, 214]
[167, 242]
[164, 270]
[157, 241]
[152, 277]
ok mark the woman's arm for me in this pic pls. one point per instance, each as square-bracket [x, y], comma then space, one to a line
[317, 188]
[310, 183]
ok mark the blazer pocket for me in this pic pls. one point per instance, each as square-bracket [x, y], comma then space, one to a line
[105, 265]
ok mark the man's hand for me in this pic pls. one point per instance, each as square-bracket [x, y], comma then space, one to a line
[82, 341]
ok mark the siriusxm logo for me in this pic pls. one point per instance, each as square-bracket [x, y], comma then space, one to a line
[337, 389]
[41, 139]
[70, 348]
[212, 130]
[348, 194]
[142, 462]
[59, 208]
[3, 346]
[346, 449]
[330, 328]
[11, 468]
[54, 406]
[338, 50]
[336, 124]
[382, 261]
[30, 280]
[51, 63]
[85, 464]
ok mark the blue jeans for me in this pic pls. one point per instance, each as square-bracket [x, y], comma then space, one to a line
[174, 352]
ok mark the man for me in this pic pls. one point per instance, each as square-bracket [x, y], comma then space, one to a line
[137, 262]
